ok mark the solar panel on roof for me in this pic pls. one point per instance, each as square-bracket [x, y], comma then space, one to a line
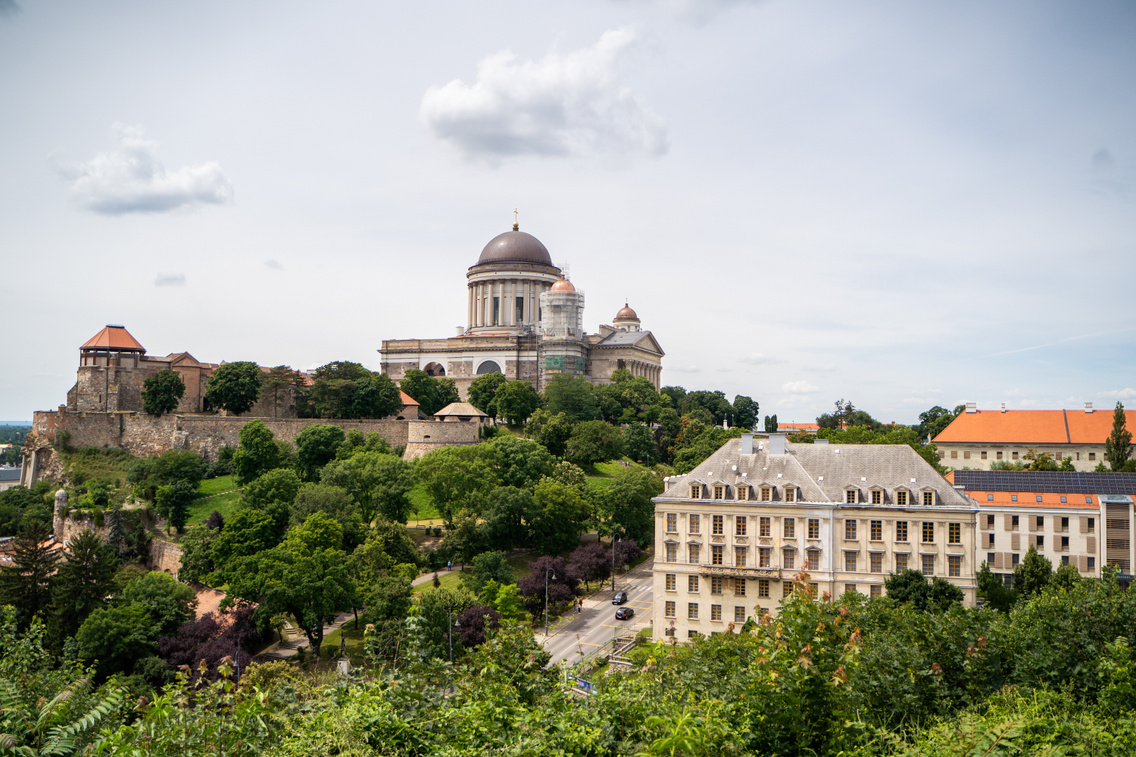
[1058, 482]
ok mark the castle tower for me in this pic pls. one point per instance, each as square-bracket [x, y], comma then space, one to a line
[103, 361]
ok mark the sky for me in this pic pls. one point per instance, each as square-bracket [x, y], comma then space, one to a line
[898, 204]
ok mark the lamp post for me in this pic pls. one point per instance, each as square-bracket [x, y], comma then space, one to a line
[450, 631]
[547, 570]
[614, 539]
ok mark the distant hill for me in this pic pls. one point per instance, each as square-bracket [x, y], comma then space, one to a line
[16, 423]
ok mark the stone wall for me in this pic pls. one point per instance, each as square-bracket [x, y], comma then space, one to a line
[165, 556]
[424, 436]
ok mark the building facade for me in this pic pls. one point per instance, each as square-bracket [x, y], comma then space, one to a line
[525, 320]
[732, 534]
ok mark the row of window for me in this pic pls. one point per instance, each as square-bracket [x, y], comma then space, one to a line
[1060, 523]
[812, 559]
[715, 612]
[983, 455]
[1060, 543]
[812, 528]
[792, 493]
[670, 607]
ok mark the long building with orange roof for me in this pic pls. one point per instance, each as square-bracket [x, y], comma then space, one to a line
[978, 438]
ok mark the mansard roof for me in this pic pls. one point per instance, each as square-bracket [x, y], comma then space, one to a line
[114, 338]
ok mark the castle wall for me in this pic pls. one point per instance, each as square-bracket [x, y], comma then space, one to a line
[165, 556]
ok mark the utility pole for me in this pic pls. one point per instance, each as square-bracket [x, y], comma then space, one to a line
[614, 539]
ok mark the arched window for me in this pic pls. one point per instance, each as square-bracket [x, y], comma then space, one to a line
[435, 369]
[488, 366]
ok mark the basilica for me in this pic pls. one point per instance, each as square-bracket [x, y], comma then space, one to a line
[525, 320]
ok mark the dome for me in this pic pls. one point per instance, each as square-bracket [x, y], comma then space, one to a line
[515, 247]
[626, 314]
[564, 285]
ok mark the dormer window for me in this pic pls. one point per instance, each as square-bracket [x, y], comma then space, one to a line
[790, 494]
[719, 491]
[901, 497]
[928, 497]
[767, 494]
[696, 491]
[849, 496]
[742, 492]
[877, 495]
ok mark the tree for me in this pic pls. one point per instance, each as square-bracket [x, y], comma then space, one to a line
[516, 461]
[639, 444]
[503, 519]
[993, 590]
[1118, 445]
[316, 446]
[515, 401]
[456, 478]
[387, 546]
[624, 506]
[168, 602]
[558, 518]
[25, 584]
[593, 442]
[483, 392]
[173, 501]
[278, 388]
[379, 483]
[571, 395]
[161, 392]
[115, 638]
[562, 585]
[247, 532]
[745, 412]
[348, 390]
[551, 431]
[934, 421]
[428, 391]
[82, 582]
[335, 502]
[771, 424]
[234, 387]
[257, 452]
[1032, 574]
[912, 587]
[57, 727]
[273, 493]
[490, 566]
[591, 562]
[476, 623]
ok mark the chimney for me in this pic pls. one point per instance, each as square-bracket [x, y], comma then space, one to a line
[777, 444]
[460, 330]
[1003, 407]
[972, 407]
[1088, 407]
[747, 444]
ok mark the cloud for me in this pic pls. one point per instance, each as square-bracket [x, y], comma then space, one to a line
[131, 179]
[170, 280]
[1102, 160]
[565, 104]
[758, 359]
[1126, 393]
[274, 265]
[684, 369]
[697, 12]
[9, 8]
[799, 387]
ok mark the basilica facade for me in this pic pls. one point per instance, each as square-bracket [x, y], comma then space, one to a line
[525, 320]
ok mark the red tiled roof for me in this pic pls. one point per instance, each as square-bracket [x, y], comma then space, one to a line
[1029, 499]
[798, 427]
[1032, 427]
[407, 399]
[113, 338]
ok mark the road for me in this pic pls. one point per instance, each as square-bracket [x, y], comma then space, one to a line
[581, 636]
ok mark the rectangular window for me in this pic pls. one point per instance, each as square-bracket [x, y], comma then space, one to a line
[1040, 541]
[716, 525]
[966, 455]
[790, 494]
[849, 588]
[901, 498]
[928, 498]
[1092, 523]
[954, 533]
[692, 611]
[764, 527]
[742, 491]
[928, 565]
[1013, 523]
[1092, 562]
[876, 590]
[983, 454]
[786, 589]
[692, 584]
[719, 491]
[1013, 497]
[954, 565]
[739, 587]
[696, 491]
[1064, 543]
[877, 527]
[496, 311]
[813, 560]
[669, 609]
[1092, 455]
[954, 454]
[766, 494]
[928, 532]
[694, 522]
[1064, 524]
[790, 528]
[716, 552]
[1041, 523]
[671, 582]
[901, 530]
[850, 529]
[990, 520]
[1014, 559]
[740, 557]
[788, 559]
[715, 584]
[520, 315]
[850, 562]
[877, 562]
[764, 557]
[814, 528]
[739, 614]
[715, 612]
[877, 497]
[740, 525]
[850, 497]
[672, 523]
[900, 562]
[1064, 559]
[1014, 455]
[672, 553]
[692, 554]
[763, 588]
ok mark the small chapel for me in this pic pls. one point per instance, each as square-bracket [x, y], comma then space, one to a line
[525, 320]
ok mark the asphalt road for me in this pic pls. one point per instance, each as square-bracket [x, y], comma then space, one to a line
[583, 635]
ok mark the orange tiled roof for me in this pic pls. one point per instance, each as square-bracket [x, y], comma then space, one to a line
[1032, 427]
[407, 399]
[798, 427]
[113, 338]
[1029, 499]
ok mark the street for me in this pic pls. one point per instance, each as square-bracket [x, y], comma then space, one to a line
[583, 634]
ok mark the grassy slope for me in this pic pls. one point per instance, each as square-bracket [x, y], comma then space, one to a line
[220, 494]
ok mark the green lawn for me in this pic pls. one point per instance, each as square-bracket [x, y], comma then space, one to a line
[220, 494]
[450, 580]
[421, 499]
[330, 647]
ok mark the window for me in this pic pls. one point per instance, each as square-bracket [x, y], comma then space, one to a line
[877, 497]
[989, 558]
[671, 582]
[742, 492]
[1014, 455]
[954, 533]
[928, 532]
[900, 562]
[496, 311]
[692, 584]
[1013, 497]
[850, 561]
[928, 498]
[901, 497]
[983, 454]
[1064, 524]
[1064, 499]
[788, 559]
[1041, 523]
[716, 525]
[1092, 455]
[954, 565]
[715, 584]
[672, 553]
[1092, 562]
[998, 455]
[740, 525]
[692, 634]
[928, 565]
[877, 530]
[813, 560]
[966, 455]
[990, 520]
[1013, 523]
[764, 556]
[672, 523]
[877, 562]
[739, 587]
[669, 609]
[876, 591]
[520, 310]
[901, 530]
[696, 491]
[786, 589]
[849, 588]
[695, 523]
[764, 528]
[1037, 498]
[719, 491]
[1014, 559]
[716, 554]
[1064, 559]
[790, 530]
[766, 494]
[850, 496]
[1064, 543]
[1040, 541]
[954, 454]
[763, 588]
[739, 614]
[990, 498]
[692, 611]
[692, 554]
[790, 494]
[849, 529]
[740, 557]
[716, 612]
[814, 528]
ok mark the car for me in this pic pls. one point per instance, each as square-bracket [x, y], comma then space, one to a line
[619, 598]
[624, 613]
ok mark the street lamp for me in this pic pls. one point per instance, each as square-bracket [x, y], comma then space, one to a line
[614, 539]
[547, 570]
[450, 630]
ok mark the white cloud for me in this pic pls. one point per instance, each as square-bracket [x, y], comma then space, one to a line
[799, 387]
[170, 280]
[275, 265]
[131, 179]
[1126, 393]
[758, 359]
[565, 104]
[683, 369]
[9, 8]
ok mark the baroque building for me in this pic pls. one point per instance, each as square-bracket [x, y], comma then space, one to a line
[525, 320]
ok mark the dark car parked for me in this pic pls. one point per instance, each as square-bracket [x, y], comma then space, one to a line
[624, 613]
[619, 598]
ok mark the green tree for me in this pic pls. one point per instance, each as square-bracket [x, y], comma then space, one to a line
[161, 392]
[316, 446]
[173, 501]
[273, 493]
[490, 566]
[1118, 445]
[278, 388]
[994, 591]
[551, 431]
[25, 583]
[571, 395]
[503, 519]
[1032, 574]
[169, 602]
[56, 727]
[745, 410]
[115, 638]
[257, 452]
[515, 402]
[593, 442]
[515, 461]
[348, 390]
[911, 587]
[934, 421]
[247, 532]
[379, 483]
[456, 478]
[336, 503]
[771, 424]
[234, 387]
[483, 392]
[639, 444]
[558, 518]
[387, 546]
[439, 609]
[83, 580]
[624, 506]
[428, 391]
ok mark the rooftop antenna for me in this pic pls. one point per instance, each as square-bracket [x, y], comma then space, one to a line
[516, 223]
